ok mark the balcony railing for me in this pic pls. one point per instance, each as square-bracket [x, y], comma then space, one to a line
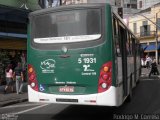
[146, 34]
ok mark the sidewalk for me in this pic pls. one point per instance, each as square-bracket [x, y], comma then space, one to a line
[145, 72]
[12, 98]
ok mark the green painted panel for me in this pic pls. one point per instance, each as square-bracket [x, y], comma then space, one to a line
[80, 72]
[12, 3]
[31, 4]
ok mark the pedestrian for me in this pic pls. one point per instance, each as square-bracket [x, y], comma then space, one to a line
[9, 78]
[23, 61]
[154, 69]
[148, 61]
[13, 59]
[18, 73]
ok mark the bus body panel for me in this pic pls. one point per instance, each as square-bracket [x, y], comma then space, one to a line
[112, 97]
[69, 73]
[81, 70]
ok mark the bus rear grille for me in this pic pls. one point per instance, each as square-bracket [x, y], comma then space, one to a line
[66, 100]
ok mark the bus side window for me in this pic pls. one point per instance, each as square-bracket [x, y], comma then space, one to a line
[127, 44]
[130, 44]
[117, 43]
[133, 45]
[124, 39]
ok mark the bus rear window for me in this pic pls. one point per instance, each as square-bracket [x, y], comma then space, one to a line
[67, 26]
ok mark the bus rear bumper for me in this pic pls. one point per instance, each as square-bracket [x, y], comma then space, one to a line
[109, 98]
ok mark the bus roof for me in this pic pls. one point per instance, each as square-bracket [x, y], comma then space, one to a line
[88, 5]
[78, 6]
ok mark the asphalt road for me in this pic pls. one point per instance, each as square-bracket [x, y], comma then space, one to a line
[144, 105]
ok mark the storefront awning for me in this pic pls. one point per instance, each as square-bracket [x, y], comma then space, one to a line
[16, 44]
[4, 34]
[143, 46]
[152, 48]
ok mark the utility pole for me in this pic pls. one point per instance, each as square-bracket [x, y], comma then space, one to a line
[156, 41]
[157, 60]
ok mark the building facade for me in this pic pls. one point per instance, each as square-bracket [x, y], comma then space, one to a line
[144, 4]
[68, 2]
[144, 27]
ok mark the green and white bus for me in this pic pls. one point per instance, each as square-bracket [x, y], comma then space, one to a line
[81, 54]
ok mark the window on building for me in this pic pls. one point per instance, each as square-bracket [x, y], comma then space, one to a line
[158, 22]
[134, 1]
[135, 28]
[125, 5]
[134, 6]
[140, 4]
[145, 23]
[145, 29]
[128, 5]
[118, 3]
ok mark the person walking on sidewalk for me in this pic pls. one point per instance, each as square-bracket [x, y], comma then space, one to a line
[18, 73]
[9, 78]
[154, 69]
[148, 61]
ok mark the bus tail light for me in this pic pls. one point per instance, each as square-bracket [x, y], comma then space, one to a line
[32, 77]
[105, 78]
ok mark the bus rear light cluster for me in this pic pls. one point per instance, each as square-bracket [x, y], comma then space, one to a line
[105, 78]
[32, 78]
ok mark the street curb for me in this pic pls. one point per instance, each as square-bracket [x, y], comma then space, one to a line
[13, 102]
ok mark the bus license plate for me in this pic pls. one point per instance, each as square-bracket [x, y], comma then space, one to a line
[66, 89]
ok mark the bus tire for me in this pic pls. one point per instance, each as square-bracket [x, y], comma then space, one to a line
[137, 81]
[129, 98]
[140, 71]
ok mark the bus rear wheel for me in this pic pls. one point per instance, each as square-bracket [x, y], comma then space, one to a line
[129, 98]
